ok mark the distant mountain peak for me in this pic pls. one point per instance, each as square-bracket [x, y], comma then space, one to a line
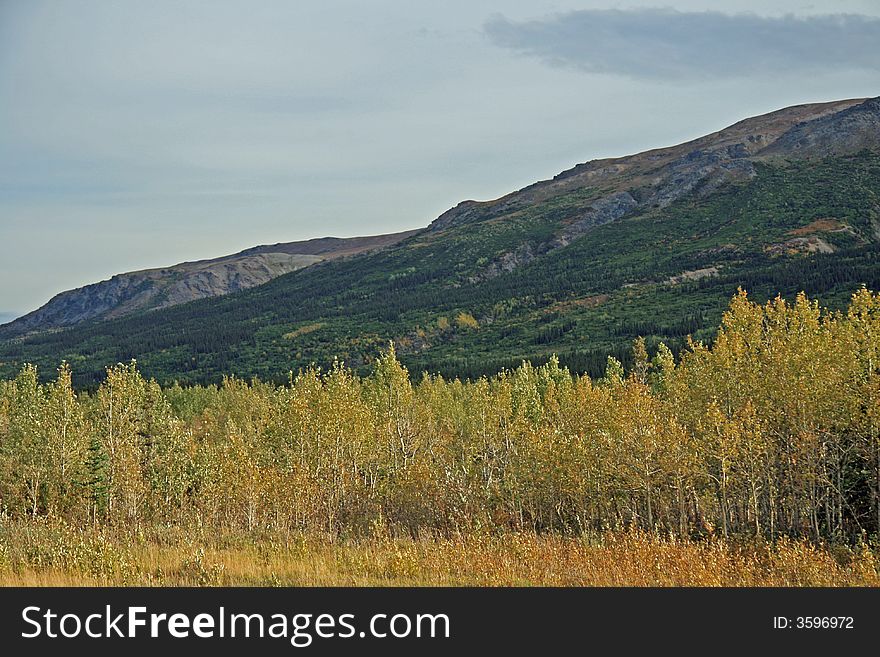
[163, 287]
[723, 155]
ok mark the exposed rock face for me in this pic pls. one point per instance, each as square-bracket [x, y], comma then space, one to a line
[812, 244]
[848, 131]
[151, 289]
[602, 211]
[703, 170]
[605, 210]
[692, 275]
[160, 288]
[522, 255]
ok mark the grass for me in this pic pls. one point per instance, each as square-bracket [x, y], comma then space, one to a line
[41, 553]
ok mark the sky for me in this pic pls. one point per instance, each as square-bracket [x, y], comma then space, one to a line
[143, 134]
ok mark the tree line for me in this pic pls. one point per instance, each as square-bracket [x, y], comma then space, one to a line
[772, 430]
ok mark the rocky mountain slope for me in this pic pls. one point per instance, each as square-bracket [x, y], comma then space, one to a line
[651, 245]
[151, 289]
[657, 178]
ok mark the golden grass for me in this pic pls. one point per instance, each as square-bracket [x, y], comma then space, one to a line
[817, 226]
[303, 330]
[87, 558]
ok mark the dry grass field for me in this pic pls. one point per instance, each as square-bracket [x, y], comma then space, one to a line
[45, 554]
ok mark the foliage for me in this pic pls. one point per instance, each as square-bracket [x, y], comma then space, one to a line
[773, 430]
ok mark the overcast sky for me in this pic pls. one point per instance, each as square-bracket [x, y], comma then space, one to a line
[141, 134]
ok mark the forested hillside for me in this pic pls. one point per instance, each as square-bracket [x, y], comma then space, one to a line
[651, 246]
[663, 275]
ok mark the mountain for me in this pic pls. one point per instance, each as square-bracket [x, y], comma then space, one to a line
[151, 289]
[7, 317]
[650, 245]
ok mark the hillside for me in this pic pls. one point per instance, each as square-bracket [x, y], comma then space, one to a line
[151, 289]
[653, 244]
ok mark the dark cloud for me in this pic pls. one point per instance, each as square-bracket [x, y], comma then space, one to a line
[667, 44]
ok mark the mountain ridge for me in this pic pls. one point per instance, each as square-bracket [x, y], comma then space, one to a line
[651, 244]
[726, 155]
[163, 287]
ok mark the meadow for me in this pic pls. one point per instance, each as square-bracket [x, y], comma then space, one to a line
[41, 554]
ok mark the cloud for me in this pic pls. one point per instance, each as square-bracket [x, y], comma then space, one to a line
[671, 45]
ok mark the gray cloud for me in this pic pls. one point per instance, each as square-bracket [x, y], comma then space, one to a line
[668, 44]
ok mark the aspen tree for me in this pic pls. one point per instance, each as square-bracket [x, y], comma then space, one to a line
[65, 440]
[29, 463]
[121, 407]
